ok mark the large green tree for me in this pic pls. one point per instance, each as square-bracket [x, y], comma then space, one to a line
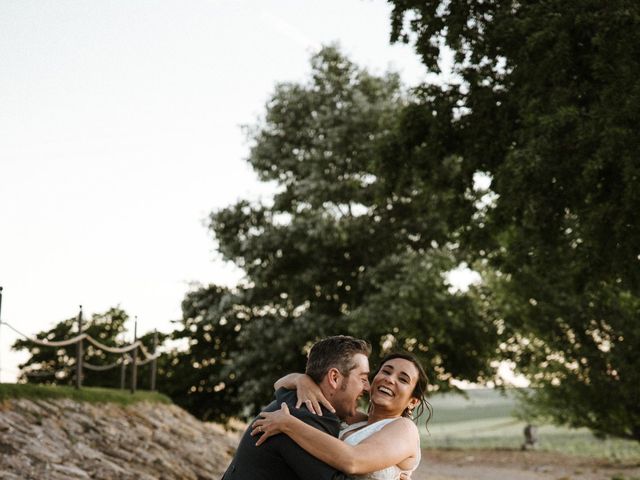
[545, 103]
[338, 241]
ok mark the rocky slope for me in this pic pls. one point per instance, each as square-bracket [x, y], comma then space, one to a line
[63, 439]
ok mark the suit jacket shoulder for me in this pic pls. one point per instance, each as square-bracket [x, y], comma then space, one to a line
[280, 457]
[328, 422]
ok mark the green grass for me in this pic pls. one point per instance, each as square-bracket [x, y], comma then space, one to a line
[485, 420]
[85, 394]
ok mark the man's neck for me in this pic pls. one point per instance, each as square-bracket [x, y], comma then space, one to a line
[328, 393]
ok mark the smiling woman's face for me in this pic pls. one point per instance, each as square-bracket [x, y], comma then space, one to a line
[393, 385]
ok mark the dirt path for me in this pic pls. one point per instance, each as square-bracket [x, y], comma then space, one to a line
[517, 465]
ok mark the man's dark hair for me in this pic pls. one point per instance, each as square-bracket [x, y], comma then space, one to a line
[335, 352]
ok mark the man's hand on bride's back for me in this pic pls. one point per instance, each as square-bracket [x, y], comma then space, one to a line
[309, 394]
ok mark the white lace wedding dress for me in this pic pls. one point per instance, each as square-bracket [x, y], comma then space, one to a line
[365, 431]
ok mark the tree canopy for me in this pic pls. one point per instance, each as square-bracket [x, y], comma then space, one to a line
[546, 105]
[328, 254]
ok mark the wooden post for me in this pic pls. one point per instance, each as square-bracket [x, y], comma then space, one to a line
[134, 358]
[123, 371]
[153, 362]
[79, 352]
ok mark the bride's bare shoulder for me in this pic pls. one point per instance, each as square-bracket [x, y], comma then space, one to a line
[402, 425]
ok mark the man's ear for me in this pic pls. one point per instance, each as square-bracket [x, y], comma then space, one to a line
[334, 378]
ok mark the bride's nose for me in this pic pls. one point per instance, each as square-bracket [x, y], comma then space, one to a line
[389, 381]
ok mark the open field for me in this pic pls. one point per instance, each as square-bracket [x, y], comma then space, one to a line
[485, 421]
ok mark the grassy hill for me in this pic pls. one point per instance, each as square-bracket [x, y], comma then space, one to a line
[485, 420]
[85, 394]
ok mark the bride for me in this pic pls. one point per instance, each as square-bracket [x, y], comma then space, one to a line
[383, 446]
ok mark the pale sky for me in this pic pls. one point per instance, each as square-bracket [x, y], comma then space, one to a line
[120, 131]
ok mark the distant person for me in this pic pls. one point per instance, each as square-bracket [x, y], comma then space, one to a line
[340, 368]
[383, 446]
[530, 437]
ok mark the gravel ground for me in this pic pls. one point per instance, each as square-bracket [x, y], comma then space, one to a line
[517, 465]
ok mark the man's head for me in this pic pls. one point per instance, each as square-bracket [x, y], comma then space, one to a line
[340, 366]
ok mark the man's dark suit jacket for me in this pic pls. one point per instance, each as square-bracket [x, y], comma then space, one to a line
[280, 458]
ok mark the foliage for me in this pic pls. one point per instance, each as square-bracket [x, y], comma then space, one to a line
[412, 305]
[329, 253]
[546, 103]
[200, 376]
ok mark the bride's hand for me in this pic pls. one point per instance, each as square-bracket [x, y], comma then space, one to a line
[405, 476]
[270, 424]
[309, 394]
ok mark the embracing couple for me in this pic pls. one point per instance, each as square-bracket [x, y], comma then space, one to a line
[290, 443]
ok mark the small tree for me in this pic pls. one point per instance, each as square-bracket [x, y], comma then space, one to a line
[57, 365]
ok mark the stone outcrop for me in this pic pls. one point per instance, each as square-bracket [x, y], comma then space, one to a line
[64, 439]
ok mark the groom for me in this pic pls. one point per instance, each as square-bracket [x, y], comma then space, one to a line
[340, 366]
